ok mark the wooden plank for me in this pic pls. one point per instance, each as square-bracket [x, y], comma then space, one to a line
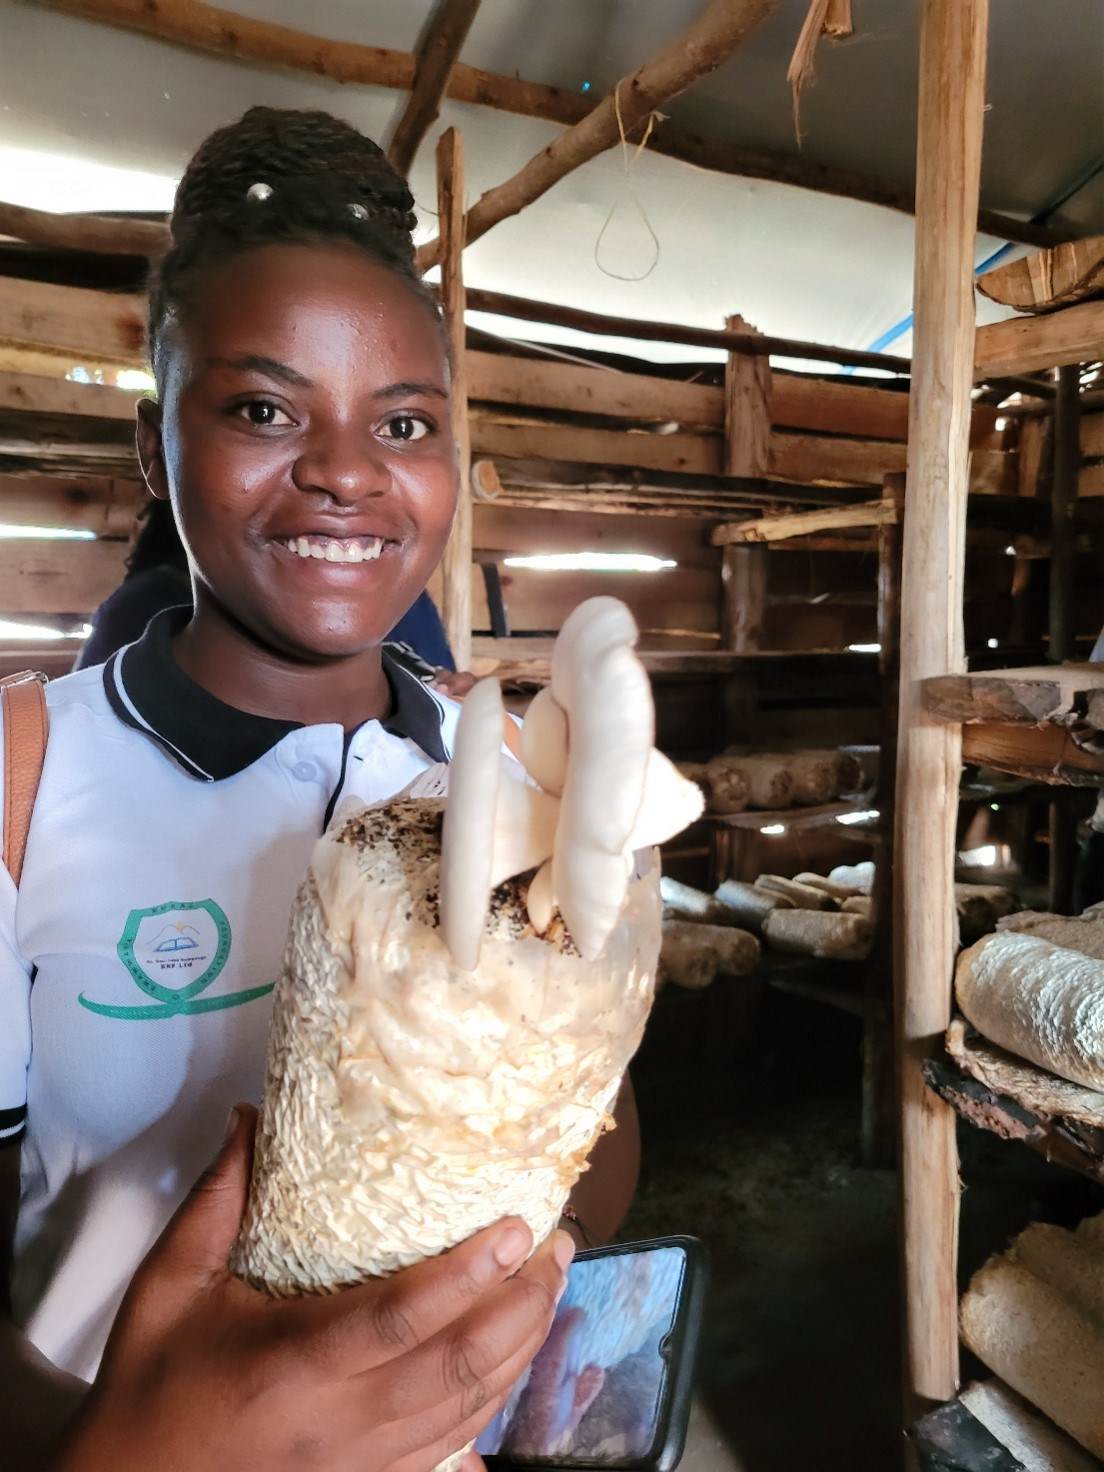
[686, 453]
[58, 577]
[500, 378]
[695, 52]
[1092, 436]
[1028, 696]
[445, 33]
[456, 563]
[38, 394]
[803, 523]
[1026, 344]
[510, 529]
[845, 408]
[101, 505]
[1090, 483]
[1041, 753]
[39, 314]
[1052, 278]
[83, 232]
[949, 127]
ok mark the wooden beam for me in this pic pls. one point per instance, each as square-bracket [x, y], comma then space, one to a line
[101, 505]
[1063, 504]
[697, 51]
[525, 309]
[144, 238]
[1030, 696]
[949, 127]
[37, 394]
[58, 577]
[1026, 344]
[804, 523]
[1040, 753]
[1092, 436]
[228, 34]
[457, 561]
[100, 324]
[1052, 278]
[445, 33]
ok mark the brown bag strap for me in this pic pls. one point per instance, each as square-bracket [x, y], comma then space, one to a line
[26, 726]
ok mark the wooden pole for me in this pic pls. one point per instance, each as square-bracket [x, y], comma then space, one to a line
[444, 35]
[746, 452]
[456, 565]
[879, 1093]
[949, 129]
[1062, 820]
[698, 50]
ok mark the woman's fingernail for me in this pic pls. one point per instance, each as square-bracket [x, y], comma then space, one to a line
[563, 1250]
[510, 1247]
[231, 1123]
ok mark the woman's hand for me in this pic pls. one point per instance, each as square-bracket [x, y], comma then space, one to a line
[202, 1371]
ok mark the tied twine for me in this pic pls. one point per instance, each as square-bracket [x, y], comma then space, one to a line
[629, 163]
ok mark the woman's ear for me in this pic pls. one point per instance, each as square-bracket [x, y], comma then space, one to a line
[151, 455]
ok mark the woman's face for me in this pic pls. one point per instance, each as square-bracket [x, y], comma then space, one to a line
[306, 445]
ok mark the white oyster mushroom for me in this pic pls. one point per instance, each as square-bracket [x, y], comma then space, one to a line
[467, 849]
[670, 803]
[604, 689]
[544, 742]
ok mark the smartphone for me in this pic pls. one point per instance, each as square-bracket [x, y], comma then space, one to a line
[611, 1386]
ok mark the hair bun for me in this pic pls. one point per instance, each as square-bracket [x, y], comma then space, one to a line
[311, 154]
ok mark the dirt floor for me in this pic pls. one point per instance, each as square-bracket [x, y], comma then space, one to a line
[752, 1146]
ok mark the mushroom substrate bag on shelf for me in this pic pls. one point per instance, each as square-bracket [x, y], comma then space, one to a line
[465, 982]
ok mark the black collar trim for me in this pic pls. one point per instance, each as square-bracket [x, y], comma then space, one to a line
[211, 740]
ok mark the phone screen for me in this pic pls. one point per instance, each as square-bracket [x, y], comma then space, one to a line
[599, 1392]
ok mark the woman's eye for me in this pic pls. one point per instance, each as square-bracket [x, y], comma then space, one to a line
[405, 427]
[263, 413]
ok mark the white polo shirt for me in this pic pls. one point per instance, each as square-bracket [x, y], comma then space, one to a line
[169, 836]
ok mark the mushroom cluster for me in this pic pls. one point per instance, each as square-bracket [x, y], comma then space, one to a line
[593, 792]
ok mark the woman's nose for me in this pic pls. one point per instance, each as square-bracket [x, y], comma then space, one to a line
[343, 463]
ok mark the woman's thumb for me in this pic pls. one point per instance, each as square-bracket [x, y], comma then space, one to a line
[198, 1239]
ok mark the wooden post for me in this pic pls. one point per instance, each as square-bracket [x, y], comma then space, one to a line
[744, 569]
[456, 565]
[879, 1091]
[949, 127]
[1063, 603]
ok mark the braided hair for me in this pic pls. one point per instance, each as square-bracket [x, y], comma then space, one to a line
[279, 175]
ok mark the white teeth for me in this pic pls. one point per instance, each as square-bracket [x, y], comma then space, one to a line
[336, 549]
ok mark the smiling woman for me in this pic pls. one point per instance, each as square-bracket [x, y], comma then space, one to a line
[301, 437]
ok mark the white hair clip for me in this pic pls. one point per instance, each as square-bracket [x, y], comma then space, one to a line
[259, 192]
[358, 212]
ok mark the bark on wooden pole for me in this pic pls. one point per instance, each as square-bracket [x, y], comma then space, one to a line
[700, 49]
[445, 33]
[949, 129]
[456, 565]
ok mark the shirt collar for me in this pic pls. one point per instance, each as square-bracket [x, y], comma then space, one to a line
[211, 740]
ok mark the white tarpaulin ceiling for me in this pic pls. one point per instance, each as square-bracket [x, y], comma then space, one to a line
[793, 263]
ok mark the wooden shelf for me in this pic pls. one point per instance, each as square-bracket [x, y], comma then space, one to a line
[1015, 1100]
[1056, 694]
[1047, 754]
[755, 819]
[528, 660]
[1042, 722]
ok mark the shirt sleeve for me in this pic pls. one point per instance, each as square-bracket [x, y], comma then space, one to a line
[15, 1006]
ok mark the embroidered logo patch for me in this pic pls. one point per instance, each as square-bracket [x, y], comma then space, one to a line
[175, 952]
